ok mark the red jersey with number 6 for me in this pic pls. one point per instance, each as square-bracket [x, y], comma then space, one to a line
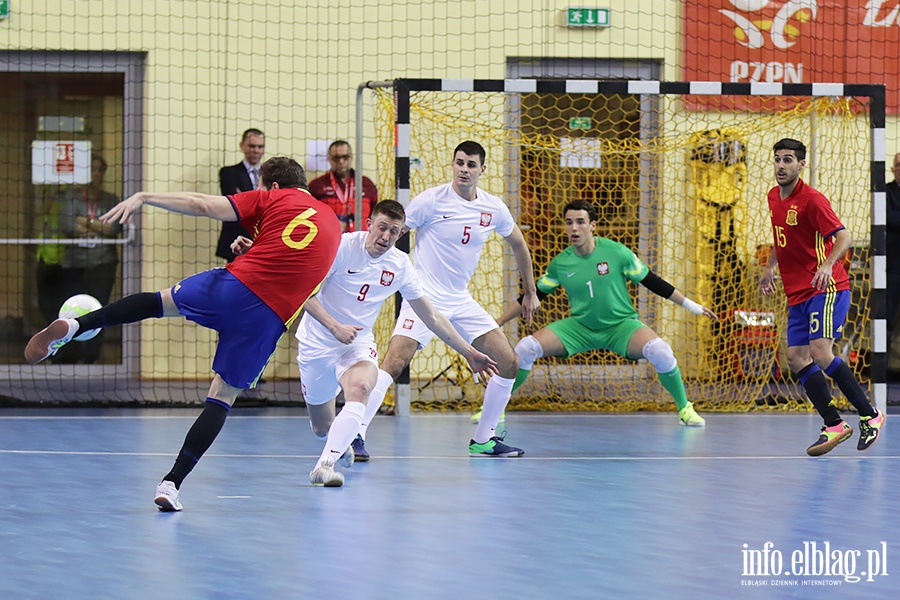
[803, 224]
[295, 240]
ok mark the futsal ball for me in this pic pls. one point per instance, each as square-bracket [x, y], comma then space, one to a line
[78, 306]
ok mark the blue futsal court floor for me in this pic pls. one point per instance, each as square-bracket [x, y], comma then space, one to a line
[601, 506]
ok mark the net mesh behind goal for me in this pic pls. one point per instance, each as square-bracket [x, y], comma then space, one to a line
[682, 183]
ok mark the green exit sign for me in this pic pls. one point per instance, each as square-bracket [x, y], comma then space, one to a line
[4, 9]
[587, 17]
[580, 123]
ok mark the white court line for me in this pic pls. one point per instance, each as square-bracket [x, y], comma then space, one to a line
[426, 415]
[480, 459]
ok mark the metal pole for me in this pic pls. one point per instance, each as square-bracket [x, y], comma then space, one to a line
[358, 165]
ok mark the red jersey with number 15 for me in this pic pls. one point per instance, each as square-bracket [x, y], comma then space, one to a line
[803, 224]
[295, 240]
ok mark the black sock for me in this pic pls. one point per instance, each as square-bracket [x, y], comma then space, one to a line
[817, 389]
[198, 439]
[129, 309]
[840, 372]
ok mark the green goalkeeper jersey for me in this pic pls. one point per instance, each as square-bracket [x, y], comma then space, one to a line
[596, 284]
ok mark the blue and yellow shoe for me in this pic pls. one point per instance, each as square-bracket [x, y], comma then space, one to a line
[869, 428]
[829, 438]
[494, 447]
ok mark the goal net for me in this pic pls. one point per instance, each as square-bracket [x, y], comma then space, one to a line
[678, 172]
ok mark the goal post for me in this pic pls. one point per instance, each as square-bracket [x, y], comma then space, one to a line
[678, 172]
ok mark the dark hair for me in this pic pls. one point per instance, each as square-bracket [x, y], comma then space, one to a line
[250, 132]
[389, 208]
[100, 159]
[789, 144]
[581, 205]
[337, 143]
[284, 171]
[470, 148]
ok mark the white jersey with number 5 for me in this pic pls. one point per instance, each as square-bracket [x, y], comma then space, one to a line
[450, 233]
[356, 287]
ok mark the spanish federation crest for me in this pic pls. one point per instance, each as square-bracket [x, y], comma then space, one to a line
[791, 218]
[603, 268]
[387, 278]
[486, 219]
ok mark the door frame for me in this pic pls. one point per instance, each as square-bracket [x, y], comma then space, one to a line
[49, 383]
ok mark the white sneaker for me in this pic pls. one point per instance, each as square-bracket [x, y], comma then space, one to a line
[167, 497]
[348, 458]
[325, 475]
[50, 339]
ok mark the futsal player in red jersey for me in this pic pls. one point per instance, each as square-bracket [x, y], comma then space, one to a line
[250, 303]
[810, 241]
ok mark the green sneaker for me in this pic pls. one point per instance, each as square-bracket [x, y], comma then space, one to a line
[688, 416]
[494, 447]
[476, 418]
[829, 438]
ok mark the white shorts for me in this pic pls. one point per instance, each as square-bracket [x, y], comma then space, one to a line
[320, 372]
[469, 319]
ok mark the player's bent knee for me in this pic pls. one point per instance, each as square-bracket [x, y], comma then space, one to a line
[319, 432]
[659, 354]
[529, 350]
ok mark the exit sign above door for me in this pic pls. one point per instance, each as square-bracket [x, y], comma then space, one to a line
[587, 17]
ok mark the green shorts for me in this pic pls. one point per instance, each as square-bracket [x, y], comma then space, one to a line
[576, 338]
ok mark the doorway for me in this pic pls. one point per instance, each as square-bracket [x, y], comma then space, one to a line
[70, 146]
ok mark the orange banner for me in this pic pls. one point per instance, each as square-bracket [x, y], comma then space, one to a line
[794, 41]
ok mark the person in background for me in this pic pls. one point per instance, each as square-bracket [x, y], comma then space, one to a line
[88, 267]
[241, 177]
[337, 187]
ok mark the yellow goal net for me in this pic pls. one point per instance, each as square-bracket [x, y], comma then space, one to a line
[682, 181]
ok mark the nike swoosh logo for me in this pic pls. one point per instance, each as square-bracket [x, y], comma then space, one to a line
[569, 274]
[353, 272]
[446, 216]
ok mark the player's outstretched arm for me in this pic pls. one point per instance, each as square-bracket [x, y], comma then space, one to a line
[341, 332]
[186, 203]
[530, 302]
[661, 287]
[481, 363]
[698, 309]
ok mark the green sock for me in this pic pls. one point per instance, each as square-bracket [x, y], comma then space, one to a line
[674, 385]
[521, 376]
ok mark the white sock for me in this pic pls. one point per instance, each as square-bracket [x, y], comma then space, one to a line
[343, 430]
[376, 399]
[496, 397]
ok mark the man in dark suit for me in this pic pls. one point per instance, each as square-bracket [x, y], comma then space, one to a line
[241, 177]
